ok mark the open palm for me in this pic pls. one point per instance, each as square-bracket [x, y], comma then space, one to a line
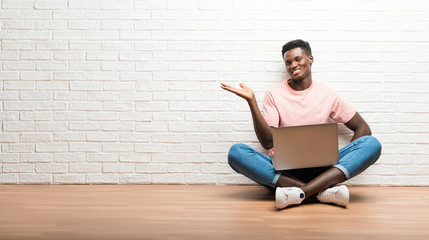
[243, 92]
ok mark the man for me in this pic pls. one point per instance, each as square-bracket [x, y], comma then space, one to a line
[302, 101]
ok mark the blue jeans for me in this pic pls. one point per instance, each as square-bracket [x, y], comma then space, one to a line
[354, 158]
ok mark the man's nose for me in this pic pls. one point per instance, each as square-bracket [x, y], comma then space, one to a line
[294, 64]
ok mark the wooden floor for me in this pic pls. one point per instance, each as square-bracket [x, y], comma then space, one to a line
[205, 212]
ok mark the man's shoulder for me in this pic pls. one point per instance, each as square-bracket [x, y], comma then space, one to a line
[278, 87]
[320, 86]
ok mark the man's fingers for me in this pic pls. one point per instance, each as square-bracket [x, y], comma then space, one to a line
[243, 86]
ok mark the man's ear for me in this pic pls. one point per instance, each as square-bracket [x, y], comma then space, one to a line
[311, 60]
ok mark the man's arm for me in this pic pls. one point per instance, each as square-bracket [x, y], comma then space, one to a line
[262, 129]
[359, 126]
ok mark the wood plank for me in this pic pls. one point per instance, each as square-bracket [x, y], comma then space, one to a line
[205, 212]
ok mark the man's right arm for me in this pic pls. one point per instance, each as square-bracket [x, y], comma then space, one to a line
[262, 129]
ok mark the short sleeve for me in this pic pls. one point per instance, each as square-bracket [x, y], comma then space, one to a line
[270, 111]
[342, 110]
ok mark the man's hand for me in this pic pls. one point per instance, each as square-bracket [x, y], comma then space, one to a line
[244, 92]
[262, 129]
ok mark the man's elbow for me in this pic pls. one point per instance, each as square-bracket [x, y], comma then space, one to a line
[268, 144]
[366, 130]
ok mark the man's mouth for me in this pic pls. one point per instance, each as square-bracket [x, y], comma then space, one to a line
[296, 70]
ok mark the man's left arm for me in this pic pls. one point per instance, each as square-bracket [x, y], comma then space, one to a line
[359, 126]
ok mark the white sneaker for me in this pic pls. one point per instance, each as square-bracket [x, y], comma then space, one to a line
[338, 195]
[286, 196]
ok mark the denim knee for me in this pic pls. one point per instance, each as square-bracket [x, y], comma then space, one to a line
[359, 155]
[234, 153]
[375, 147]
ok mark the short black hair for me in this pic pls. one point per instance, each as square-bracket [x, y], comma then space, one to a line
[295, 44]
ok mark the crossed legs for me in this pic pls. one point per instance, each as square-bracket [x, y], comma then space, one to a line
[354, 158]
[327, 179]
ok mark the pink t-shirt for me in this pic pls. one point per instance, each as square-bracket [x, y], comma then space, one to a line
[284, 106]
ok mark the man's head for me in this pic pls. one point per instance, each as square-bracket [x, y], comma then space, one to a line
[296, 44]
[298, 59]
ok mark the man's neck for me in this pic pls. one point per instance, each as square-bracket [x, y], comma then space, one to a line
[300, 85]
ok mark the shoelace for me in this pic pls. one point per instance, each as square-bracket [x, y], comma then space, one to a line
[328, 196]
[293, 198]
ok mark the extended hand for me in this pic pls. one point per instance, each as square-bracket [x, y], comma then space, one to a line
[244, 92]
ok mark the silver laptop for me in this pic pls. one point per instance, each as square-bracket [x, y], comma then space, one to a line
[305, 146]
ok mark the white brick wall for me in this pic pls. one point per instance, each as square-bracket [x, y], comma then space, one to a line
[127, 91]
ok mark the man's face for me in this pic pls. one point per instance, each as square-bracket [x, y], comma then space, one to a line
[298, 63]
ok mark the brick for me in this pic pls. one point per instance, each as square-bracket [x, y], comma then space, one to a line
[33, 76]
[118, 168]
[115, 66]
[17, 24]
[82, 46]
[69, 14]
[51, 147]
[14, 4]
[87, 85]
[9, 96]
[9, 158]
[51, 168]
[117, 147]
[57, 4]
[69, 157]
[102, 116]
[18, 126]
[24, 85]
[102, 35]
[85, 147]
[9, 178]
[200, 137]
[134, 157]
[18, 65]
[51, 106]
[52, 85]
[18, 148]
[69, 116]
[35, 137]
[50, 126]
[26, 178]
[135, 178]
[86, 106]
[200, 178]
[103, 96]
[102, 137]
[102, 178]
[233, 179]
[68, 35]
[102, 76]
[69, 179]
[52, 45]
[34, 35]
[84, 25]
[85, 167]
[114, 86]
[150, 4]
[163, 157]
[69, 76]
[102, 157]
[216, 168]
[9, 116]
[183, 168]
[134, 137]
[124, 126]
[168, 178]
[35, 158]
[18, 168]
